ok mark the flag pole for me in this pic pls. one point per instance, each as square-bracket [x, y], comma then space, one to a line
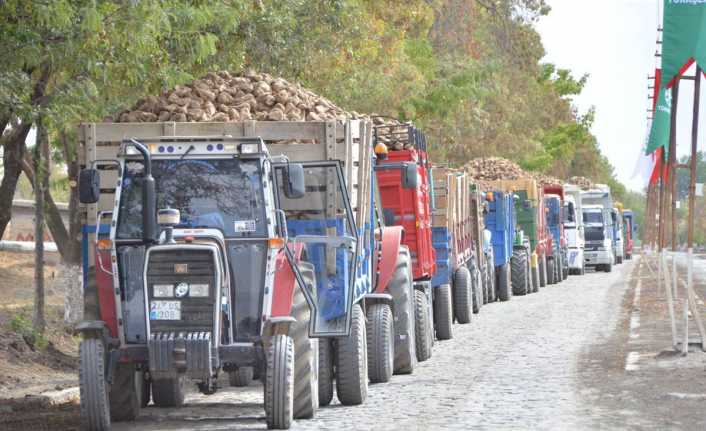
[692, 201]
[667, 174]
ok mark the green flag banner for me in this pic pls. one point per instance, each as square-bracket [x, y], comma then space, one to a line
[683, 42]
[659, 133]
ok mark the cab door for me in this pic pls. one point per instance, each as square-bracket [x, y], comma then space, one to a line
[322, 222]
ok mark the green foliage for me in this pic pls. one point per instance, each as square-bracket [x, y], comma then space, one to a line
[21, 325]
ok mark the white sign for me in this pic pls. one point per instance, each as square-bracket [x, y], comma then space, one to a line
[241, 226]
[165, 310]
[700, 189]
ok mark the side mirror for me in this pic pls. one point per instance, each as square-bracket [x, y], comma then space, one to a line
[294, 185]
[410, 176]
[89, 186]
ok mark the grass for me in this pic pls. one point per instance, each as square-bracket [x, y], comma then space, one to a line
[22, 325]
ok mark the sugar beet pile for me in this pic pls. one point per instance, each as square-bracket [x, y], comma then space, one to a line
[225, 97]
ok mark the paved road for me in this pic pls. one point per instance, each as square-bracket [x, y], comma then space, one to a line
[518, 365]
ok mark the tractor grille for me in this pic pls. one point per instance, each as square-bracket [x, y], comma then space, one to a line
[182, 265]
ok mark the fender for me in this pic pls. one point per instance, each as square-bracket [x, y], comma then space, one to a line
[284, 283]
[390, 239]
[105, 292]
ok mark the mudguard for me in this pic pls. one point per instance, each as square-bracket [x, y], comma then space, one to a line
[105, 291]
[390, 239]
[284, 283]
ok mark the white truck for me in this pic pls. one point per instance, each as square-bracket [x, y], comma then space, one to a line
[618, 243]
[597, 210]
[574, 229]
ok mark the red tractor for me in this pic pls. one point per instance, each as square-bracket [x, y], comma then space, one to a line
[403, 181]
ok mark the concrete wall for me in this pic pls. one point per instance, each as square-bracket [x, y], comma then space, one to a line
[21, 227]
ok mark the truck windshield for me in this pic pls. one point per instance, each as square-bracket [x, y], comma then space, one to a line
[224, 194]
[593, 217]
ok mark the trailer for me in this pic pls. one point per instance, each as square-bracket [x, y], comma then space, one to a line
[403, 177]
[531, 218]
[481, 265]
[500, 221]
[452, 227]
[290, 202]
[554, 200]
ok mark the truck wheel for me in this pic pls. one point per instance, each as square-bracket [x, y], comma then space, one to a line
[550, 271]
[241, 377]
[503, 282]
[325, 372]
[352, 362]
[423, 329]
[95, 412]
[381, 343]
[168, 392]
[306, 376]
[477, 289]
[462, 299]
[443, 314]
[402, 291]
[146, 390]
[125, 393]
[519, 272]
[279, 382]
[490, 279]
[543, 271]
[608, 267]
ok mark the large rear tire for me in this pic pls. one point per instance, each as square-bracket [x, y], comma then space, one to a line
[504, 290]
[477, 289]
[125, 393]
[352, 362]
[423, 329]
[279, 382]
[169, 392]
[462, 295]
[519, 274]
[306, 351]
[95, 411]
[381, 343]
[443, 314]
[402, 291]
[326, 374]
[551, 271]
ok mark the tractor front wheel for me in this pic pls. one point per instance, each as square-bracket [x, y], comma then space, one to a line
[95, 411]
[504, 288]
[423, 329]
[279, 383]
[462, 295]
[381, 343]
[352, 362]
[443, 314]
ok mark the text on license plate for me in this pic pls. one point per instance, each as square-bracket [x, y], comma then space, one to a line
[165, 310]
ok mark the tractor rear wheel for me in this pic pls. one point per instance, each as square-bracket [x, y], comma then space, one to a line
[504, 289]
[381, 343]
[241, 377]
[169, 392]
[477, 289]
[423, 329]
[325, 372]
[462, 295]
[279, 382]
[352, 362]
[551, 271]
[125, 393]
[543, 271]
[95, 411]
[443, 314]
[519, 274]
[402, 291]
[306, 351]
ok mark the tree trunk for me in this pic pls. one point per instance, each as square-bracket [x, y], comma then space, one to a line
[72, 253]
[41, 181]
[13, 152]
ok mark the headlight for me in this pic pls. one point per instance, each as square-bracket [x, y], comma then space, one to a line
[249, 148]
[163, 290]
[198, 290]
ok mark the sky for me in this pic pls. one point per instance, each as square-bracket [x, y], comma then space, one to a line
[614, 41]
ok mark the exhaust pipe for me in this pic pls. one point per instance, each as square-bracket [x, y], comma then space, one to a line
[149, 196]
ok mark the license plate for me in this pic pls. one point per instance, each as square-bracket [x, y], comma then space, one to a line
[165, 310]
